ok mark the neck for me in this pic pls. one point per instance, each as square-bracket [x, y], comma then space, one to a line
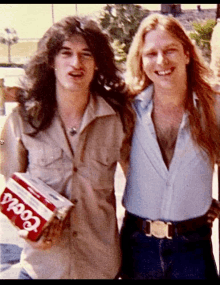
[170, 97]
[71, 107]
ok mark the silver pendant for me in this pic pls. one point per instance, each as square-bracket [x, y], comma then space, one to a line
[72, 131]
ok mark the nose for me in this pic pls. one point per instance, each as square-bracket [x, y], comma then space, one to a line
[75, 61]
[161, 58]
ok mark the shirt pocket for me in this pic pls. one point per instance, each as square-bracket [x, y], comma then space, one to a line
[47, 163]
[45, 157]
[101, 164]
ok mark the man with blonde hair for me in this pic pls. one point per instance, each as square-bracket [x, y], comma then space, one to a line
[166, 232]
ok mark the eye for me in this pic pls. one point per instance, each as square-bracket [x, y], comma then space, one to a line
[65, 52]
[150, 54]
[170, 50]
[87, 54]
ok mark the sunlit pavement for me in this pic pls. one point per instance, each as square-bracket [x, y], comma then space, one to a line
[11, 245]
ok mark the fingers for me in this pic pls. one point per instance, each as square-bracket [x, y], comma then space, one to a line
[211, 218]
[215, 208]
[41, 244]
[213, 212]
[50, 236]
[216, 204]
[53, 232]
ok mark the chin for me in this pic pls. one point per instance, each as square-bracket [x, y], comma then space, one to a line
[73, 88]
[164, 85]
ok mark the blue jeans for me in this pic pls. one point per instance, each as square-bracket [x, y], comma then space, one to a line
[24, 275]
[187, 256]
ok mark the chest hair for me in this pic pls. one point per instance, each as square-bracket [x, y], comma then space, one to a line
[166, 124]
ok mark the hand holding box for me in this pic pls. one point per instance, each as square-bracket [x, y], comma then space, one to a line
[31, 205]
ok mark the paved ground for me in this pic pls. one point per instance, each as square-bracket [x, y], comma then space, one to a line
[11, 244]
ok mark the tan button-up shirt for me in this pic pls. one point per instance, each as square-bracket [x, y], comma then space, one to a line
[89, 247]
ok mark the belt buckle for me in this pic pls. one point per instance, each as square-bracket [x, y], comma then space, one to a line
[159, 229]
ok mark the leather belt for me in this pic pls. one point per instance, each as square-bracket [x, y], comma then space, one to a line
[161, 229]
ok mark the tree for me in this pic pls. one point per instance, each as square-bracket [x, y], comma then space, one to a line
[202, 36]
[120, 55]
[9, 37]
[121, 22]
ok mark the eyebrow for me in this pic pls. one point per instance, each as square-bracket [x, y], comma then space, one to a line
[68, 48]
[167, 46]
[172, 45]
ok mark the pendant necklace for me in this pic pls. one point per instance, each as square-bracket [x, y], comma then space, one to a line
[72, 131]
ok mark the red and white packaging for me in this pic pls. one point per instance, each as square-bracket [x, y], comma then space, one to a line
[31, 205]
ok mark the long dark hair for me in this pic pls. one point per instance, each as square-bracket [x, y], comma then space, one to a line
[38, 100]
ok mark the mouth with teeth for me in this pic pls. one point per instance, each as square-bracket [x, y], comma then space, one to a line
[165, 72]
[75, 74]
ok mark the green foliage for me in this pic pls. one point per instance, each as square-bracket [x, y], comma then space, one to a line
[202, 36]
[119, 51]
[121, 22]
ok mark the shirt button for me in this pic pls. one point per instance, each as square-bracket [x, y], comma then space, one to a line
[74, 233]
[75, 169]
[74, 201]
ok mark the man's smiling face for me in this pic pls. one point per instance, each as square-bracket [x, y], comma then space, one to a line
[163, 58]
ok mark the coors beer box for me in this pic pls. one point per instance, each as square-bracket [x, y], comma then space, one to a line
[31, 205]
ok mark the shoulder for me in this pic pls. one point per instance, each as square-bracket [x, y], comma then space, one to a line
[16, 123]
[102, 108]
[14, 118]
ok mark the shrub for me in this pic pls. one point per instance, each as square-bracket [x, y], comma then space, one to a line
[202, 36]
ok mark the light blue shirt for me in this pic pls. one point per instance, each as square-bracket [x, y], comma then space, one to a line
[153, 191]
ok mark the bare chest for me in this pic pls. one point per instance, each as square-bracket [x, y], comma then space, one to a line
[166, 124]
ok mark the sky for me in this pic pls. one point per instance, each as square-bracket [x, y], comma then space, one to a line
[32, 20]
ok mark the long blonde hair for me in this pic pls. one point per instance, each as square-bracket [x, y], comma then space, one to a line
[203, 122]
